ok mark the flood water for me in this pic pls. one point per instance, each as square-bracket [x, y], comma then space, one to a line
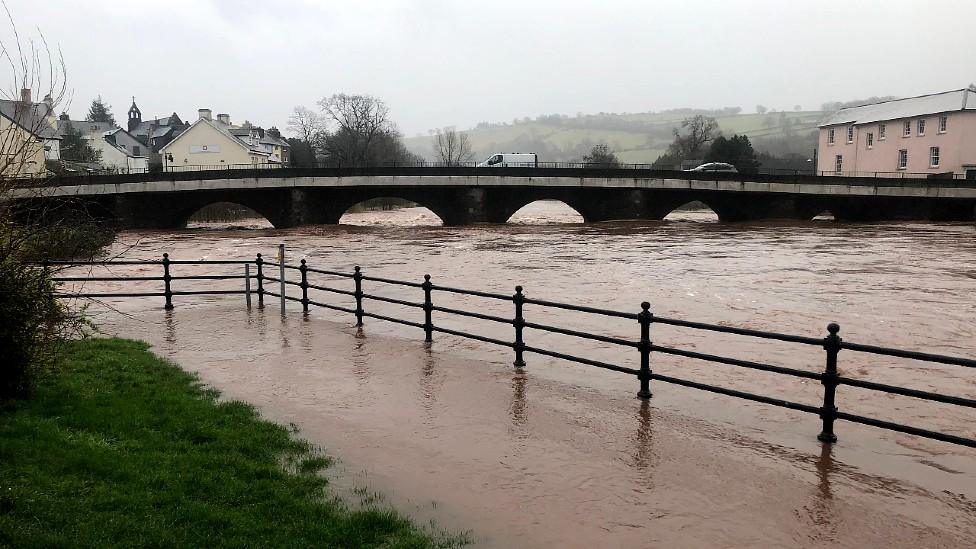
[562, 454]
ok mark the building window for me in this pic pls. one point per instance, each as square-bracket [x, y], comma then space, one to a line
[830, 136]
[839, 163]
[921, 127]
[870, 140]
[903, 159]
[934, 157]
[881, 131]
[943, 123]
[136, 150]
[907, 132]
[850, 134]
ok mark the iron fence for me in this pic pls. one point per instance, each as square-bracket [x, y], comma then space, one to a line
[535, 169]
[831, 344]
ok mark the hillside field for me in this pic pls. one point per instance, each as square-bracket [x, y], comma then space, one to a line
[636, 138]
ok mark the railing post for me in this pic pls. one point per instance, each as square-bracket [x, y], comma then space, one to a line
[428, 310]
[644, 346]
[829, 410]
[303, 268]
[358, 277]
[260, 263]
[167, 291]
[247, 284]
[281, 275]
[519, 323]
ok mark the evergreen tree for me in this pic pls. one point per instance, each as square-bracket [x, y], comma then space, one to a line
[76, 148]
[100, 112]
[736, 150]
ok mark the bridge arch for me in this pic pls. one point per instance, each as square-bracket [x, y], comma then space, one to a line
[697, 210]
[271, 210]
[225, 212]
[546, 210]
[420, 214]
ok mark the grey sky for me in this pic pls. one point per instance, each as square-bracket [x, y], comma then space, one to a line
[438, 62]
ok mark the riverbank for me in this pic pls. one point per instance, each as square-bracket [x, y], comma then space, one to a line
[127, 449]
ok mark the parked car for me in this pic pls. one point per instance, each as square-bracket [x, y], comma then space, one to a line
[714, 167]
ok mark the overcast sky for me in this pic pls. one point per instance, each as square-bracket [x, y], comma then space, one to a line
[439, 62]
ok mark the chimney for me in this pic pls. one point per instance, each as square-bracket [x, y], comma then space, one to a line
[204, 113]
[25, 95]
[224, 119]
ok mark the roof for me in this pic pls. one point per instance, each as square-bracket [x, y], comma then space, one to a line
[236, 133]
[272, 140]
[950, 101]
[161, 126]
[116, 145]
[85, 127]
[34, 121]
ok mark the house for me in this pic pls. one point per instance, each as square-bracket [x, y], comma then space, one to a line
[120, 150]
[270, 140]
[155, 133]
[929, 135]
[28, 136]
[215, 143]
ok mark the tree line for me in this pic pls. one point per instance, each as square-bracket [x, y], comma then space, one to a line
[346, 130]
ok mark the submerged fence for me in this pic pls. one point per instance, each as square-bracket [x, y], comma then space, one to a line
[644, 348]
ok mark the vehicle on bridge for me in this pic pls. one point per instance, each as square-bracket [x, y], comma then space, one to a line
[511, 160]
[714, 167]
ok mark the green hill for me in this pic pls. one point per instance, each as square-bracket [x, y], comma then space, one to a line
[637, 138]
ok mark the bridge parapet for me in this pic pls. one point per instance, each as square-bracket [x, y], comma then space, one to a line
[290, 197]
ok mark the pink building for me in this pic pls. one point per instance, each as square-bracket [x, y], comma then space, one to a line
[921, 136]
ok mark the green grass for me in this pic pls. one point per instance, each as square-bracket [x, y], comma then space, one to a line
[126, 449]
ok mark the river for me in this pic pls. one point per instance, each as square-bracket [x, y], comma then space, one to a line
[564, 454]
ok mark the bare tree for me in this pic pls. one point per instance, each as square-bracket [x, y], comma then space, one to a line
[33, 69]
[360, 120]
[699, 130]
[452, 147]
[305, 124]
[34, 319]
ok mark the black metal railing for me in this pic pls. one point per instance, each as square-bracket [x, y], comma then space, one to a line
[166, 266]
[535, 169]
[831, 344]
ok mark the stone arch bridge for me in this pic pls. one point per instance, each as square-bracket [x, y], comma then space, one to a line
[290, 197]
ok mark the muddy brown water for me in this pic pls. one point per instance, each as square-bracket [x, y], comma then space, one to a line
[562, 454]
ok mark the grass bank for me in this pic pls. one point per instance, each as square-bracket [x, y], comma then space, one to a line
[126, 449]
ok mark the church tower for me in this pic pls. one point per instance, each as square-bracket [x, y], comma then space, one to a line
[135, 115]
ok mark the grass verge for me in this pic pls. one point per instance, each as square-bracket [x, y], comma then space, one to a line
[126, 449]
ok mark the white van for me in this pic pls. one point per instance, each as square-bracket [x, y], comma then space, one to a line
[511, 160]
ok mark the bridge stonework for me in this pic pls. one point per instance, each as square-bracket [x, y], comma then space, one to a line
[287, 198]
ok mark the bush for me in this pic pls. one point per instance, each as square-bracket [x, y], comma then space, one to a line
[33, 321]
[33, 324]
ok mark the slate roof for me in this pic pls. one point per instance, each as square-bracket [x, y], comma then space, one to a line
[239, 134]
[84, 127]
[34, 121]
[272, 140]
[936, 103]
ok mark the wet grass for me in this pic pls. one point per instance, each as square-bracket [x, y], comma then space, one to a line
[126, 449]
